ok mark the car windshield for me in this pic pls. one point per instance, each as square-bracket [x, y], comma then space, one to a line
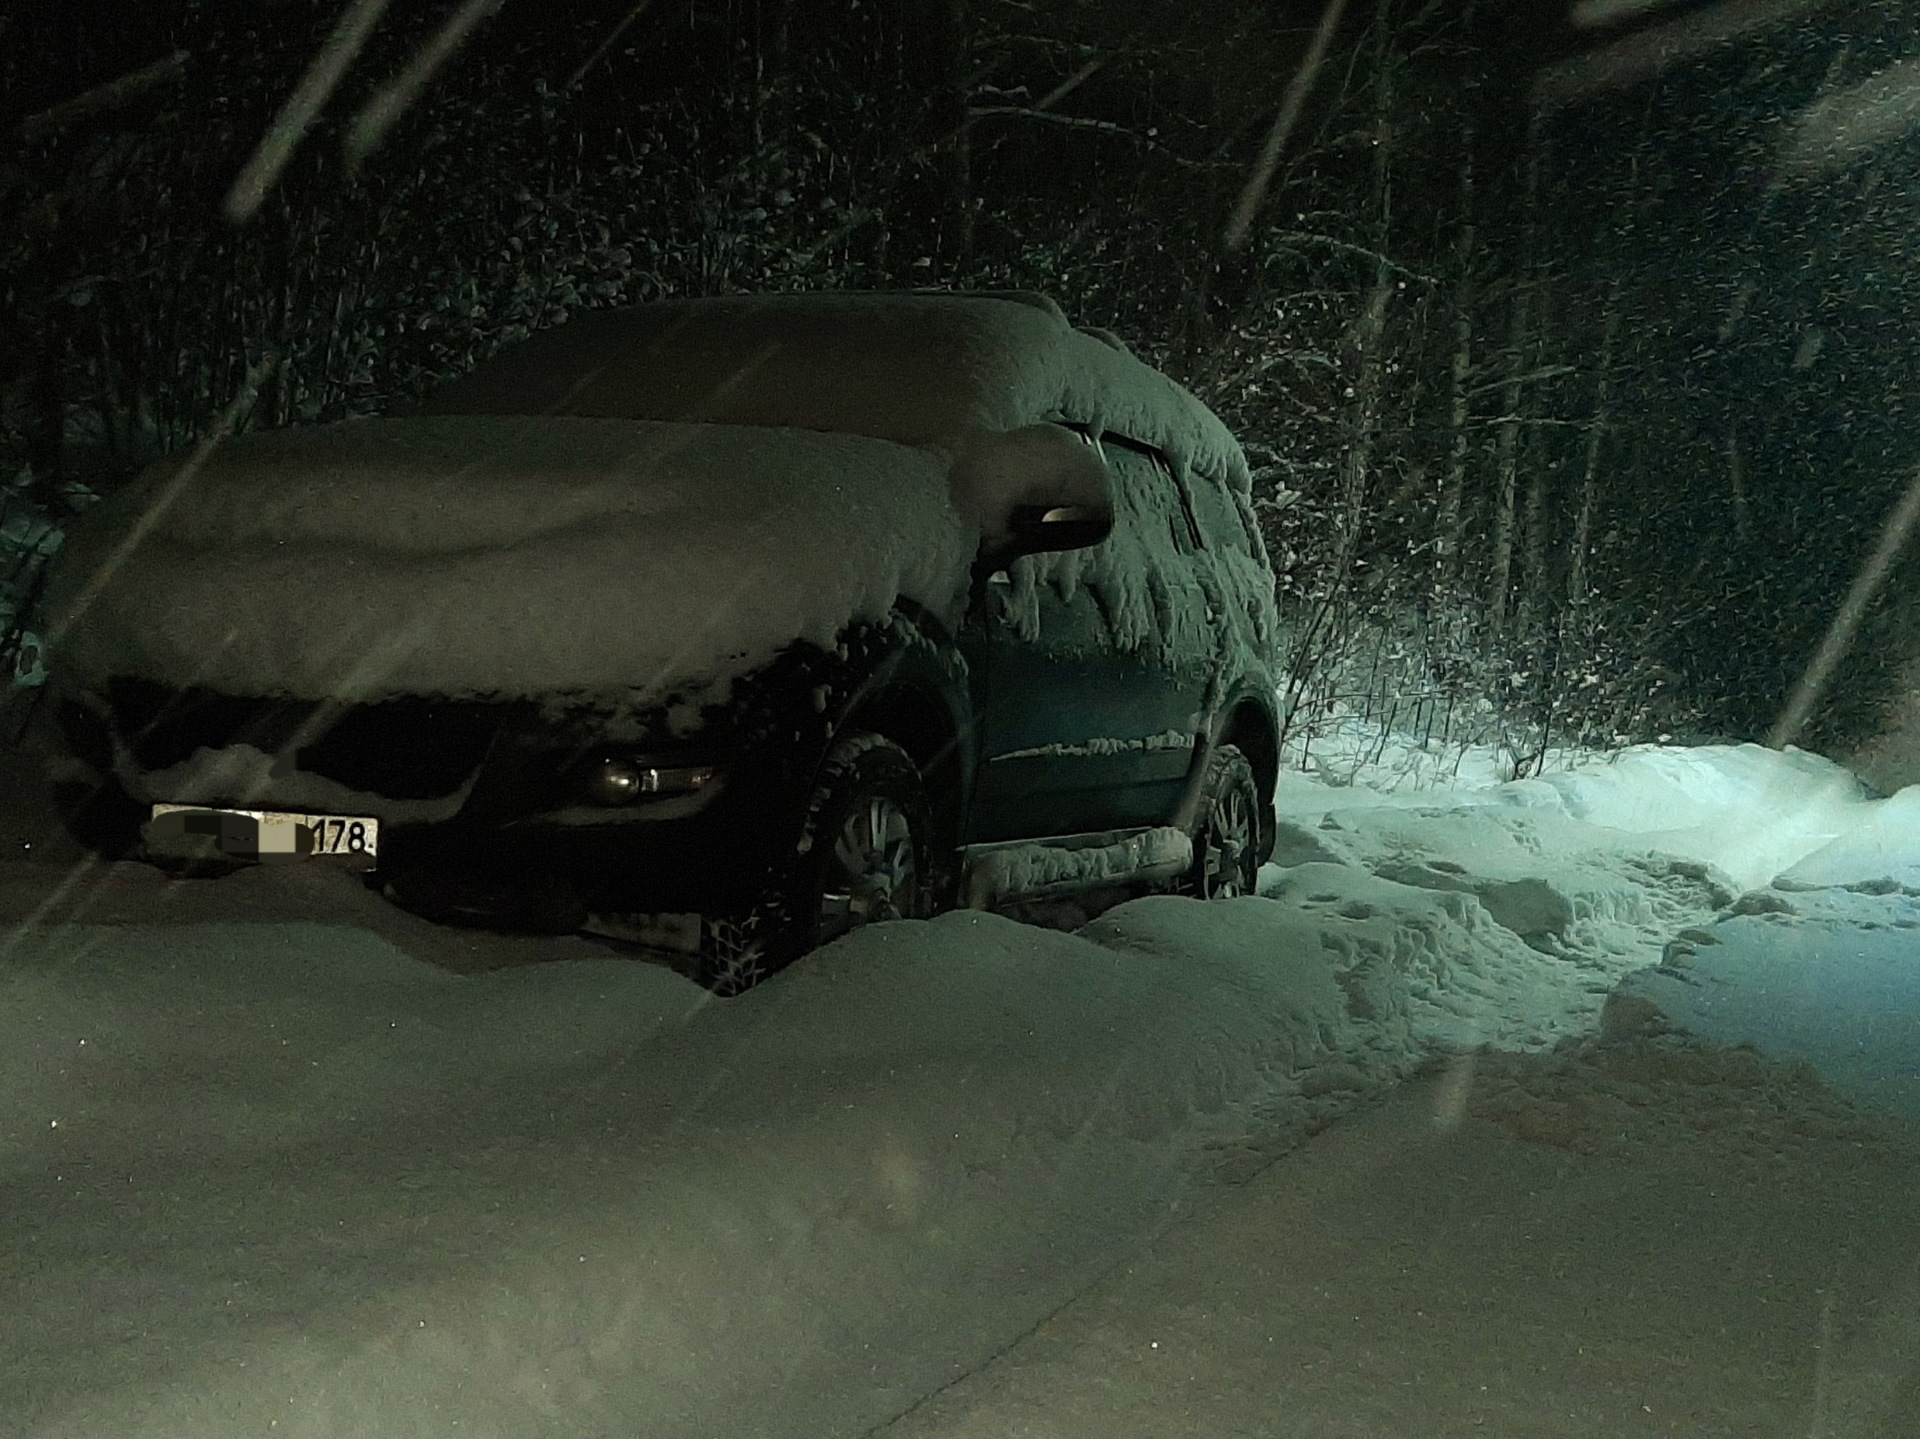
[930, 719]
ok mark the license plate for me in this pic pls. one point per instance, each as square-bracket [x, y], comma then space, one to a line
[270, 834]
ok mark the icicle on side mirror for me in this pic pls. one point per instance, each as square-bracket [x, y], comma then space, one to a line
[1038, 488]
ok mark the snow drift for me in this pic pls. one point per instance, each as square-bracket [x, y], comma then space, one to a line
[344, 1191]
[369, 1197]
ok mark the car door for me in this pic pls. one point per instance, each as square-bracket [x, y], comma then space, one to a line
[1091, 670]
[1040, 654]
[1165, 634]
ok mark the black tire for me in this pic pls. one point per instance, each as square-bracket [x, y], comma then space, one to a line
[1226, 842]
[863, 856]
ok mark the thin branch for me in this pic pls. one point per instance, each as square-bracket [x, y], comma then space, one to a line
[1082, 122]
[110, 96]
[1548, 372]
[1347, 247]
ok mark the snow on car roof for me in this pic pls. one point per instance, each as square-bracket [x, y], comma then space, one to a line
[918, 369]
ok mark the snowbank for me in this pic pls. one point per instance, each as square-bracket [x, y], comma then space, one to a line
[579, 1198]
[1828, 979]
[482, 555]
[1748, 812]
[346, 1192]
[1880, 847]
[342, 1191]
[1815, 963]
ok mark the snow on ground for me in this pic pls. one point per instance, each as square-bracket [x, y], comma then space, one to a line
[270, 1164]
[282, 1171]
[1646, 1238]
[1785, 893]
[1831, 977]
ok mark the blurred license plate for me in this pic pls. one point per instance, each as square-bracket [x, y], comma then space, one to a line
[271, 834]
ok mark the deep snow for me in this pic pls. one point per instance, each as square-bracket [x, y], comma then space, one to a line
[266, 1168]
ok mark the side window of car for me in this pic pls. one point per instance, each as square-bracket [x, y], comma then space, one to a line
[1148, 496]
[1048, 597]
[1145, 575]
[1221, 521]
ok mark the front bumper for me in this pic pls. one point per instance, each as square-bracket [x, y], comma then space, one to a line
[716, 859]
[494, 791]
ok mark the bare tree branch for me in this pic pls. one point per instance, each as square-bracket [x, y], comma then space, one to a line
[1082, 122]
[1309, 238]
[110, 96]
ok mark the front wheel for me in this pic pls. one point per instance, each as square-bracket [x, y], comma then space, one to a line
[1226, 845]
[863, 856]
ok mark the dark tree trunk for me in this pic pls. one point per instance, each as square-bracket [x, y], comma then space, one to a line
[1506, 469]
[939, 55]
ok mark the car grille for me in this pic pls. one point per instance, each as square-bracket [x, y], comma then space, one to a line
[402, 749]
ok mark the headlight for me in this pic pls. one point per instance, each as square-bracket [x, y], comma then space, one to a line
[622, 781]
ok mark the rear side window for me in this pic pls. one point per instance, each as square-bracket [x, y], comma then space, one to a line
[1147, 488]
[1143, 575]
[1221, 518]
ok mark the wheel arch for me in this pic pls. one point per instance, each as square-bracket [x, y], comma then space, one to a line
[1250, 727]
[918, 697]
[915, 717]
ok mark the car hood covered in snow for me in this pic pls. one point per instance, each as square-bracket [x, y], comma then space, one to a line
[501, 556]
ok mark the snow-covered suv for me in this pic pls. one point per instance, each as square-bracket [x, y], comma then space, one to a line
[761, 616]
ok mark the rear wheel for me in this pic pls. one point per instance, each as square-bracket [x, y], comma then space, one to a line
[863, 856]
[1226, 846]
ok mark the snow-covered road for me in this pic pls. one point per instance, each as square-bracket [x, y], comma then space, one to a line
[277, 1158]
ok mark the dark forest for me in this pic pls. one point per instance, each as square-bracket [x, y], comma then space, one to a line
[1569, 348]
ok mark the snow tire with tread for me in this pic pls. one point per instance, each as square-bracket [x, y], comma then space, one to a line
[1226, 843]
[862, 856]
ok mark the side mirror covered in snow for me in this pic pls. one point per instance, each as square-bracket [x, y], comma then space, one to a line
[1040, 487]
